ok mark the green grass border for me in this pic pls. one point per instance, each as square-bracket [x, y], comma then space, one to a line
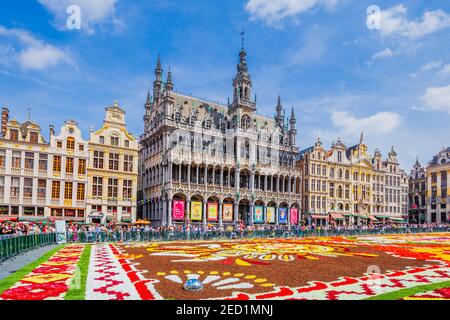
[403, 293]
[82, 273]
[12, 279]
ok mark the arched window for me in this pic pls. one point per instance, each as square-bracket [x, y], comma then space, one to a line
[347, 175]
[347, 207]
[331, 173]
[339, 193]
[340, 206]
[340, 174]
[70, 144]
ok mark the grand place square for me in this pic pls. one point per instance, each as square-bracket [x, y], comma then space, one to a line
[307, 162]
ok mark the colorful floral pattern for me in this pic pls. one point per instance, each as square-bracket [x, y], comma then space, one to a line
[49, 281]
[325, 268]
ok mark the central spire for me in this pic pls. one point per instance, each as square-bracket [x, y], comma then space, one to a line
[242, 83]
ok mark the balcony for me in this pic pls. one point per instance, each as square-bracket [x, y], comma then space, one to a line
[27, 200]
[2, 170]
[16, 171]
[42, 173]
[56, 202]
[41, 201]
[28, 172]
[14, 200]
[81, 203]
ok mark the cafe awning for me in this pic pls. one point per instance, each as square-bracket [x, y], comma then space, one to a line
[372, 218]
[337, 216]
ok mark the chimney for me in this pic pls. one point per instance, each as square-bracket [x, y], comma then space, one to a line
[52, 130]
[5, 119]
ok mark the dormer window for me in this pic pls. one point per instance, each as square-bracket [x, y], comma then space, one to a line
[177, 117]
[114, 141]
[70, 145]
[33, 137]
[208, 124]
[59, 144]
[14, 134]
[101, 140]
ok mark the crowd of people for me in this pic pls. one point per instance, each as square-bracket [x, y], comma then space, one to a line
[74, 229]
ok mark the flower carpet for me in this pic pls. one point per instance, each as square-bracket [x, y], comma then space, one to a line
[408, 267]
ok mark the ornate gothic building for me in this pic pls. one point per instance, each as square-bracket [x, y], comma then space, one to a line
[208, 163]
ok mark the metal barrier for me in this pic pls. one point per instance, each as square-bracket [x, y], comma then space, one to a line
[12, 245]
[155, 236]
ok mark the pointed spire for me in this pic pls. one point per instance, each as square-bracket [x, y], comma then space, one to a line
[361, 139]
[293, 120]
[417, 160]
[148, 101]
[158, 70]
[169, 83]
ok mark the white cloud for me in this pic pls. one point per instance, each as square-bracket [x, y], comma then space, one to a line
[445, 71]
[427, 67]
[272, 11]
[31, 53]
[395, 23]
[437, 98]
[379, 123]
[92, 12]
[386, 53]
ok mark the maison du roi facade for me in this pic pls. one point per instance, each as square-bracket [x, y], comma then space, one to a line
[68, 177]
[347, 185]
[429, 190]
[208, 163]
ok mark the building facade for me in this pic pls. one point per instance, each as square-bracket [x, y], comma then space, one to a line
[438, 188]
[207, 163]
[40, 179]
[112, 170]
[417, 194]
[348, 186]
[68, 161]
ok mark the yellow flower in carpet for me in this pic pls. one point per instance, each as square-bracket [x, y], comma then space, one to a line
[58, 263]
[46, 278]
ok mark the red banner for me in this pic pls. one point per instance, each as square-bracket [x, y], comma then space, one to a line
[294, 215]
[178, 210]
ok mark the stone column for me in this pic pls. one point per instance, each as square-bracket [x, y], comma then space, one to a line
[179, 172]
[229, 178]
[250, 218]
[189, 174]
[276, 215]
[265, 183]
[221, 177]
[168, 204]
[237, 180]
[187, 210]
[206, 175]
[235, 212]
[204, 212]
[197, 170]
[220, 212]
[252, 181]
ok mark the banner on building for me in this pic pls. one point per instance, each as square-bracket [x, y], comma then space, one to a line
[294, 215]
[196, 211]
[282, 215]
[178, 210]
[213, 214]
[270, 216]
[227, 212]
[259, 214]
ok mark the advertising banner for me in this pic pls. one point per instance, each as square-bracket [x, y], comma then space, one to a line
[213, 212]
[282, 215]
[196, 211]
[227, 212]
[178, 210]
[294, 215]
[60, 226]
[270, 218]
[259, 214]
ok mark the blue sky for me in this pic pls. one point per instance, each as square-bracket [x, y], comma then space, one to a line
[342, 78]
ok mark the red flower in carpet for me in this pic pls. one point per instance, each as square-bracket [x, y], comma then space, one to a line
[35, 291]
[54, 269]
